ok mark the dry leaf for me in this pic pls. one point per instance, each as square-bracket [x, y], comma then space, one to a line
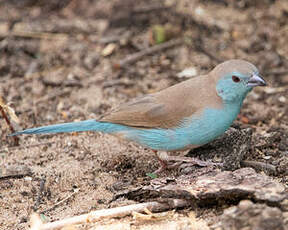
[9, 111]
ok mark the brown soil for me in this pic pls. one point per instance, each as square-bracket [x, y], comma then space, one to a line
[54, 69]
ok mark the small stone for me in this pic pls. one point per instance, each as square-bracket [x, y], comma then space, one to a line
[109, 49]
[245, 204]
[282, 99]
[188, 72]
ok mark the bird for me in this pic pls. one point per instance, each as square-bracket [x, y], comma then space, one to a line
[184, 116]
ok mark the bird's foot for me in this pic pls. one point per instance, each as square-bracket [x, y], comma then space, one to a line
[166, 165]
[193, 161]
[164, 162]
[172, 162]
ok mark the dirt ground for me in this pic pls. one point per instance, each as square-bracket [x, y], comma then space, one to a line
[67, 61]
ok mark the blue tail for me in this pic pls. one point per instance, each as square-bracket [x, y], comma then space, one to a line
[88, 125]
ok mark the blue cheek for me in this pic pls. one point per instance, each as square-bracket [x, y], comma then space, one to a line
[232, 92]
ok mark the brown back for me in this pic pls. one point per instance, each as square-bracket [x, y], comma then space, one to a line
[167, 108]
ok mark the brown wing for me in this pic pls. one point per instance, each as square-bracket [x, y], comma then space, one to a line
[146, 112]
[165, 109]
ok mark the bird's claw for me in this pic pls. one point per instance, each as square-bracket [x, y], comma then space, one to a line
[172, 162]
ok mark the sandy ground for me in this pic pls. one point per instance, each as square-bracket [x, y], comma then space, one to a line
[60, 62]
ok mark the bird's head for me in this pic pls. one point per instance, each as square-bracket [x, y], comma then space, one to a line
[235, 78]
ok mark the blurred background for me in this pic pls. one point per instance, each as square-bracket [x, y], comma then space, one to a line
[72, 60]
[54, 50]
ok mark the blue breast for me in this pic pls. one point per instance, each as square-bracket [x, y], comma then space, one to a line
[197, 130]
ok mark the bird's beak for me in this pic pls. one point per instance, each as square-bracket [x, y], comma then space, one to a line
[256, 80]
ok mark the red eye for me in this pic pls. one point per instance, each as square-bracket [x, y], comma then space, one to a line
[235, 79]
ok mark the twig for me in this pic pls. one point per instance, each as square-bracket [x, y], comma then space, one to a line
[61, 201]
[260, 166]
[35, 222]
[150, 9]
[151, 50]
[24, 147]
[16, 139]
[110, 213]
[15, 176]
[16, 172]
[34, 74]
[115, 38]
[56, 93]
[31, 68]
[277, 72]
[40, 194]
[117, 82]
[199, 46]
[69, 83]
[37, 35]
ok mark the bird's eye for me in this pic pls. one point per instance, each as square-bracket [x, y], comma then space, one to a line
[235, 79]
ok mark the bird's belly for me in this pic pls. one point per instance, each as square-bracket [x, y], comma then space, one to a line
[194, 132]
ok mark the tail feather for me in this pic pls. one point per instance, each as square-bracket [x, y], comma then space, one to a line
[88, 125]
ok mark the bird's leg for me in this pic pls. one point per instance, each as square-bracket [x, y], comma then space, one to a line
[163, 162]
[169, 162]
